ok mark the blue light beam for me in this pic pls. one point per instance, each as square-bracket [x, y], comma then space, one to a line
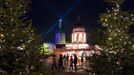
[70, 9]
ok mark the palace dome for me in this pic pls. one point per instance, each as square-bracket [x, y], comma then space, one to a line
[78, 25]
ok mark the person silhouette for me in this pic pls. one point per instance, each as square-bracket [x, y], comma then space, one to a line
[64, 60]
[82, 59]
[54, 65]
[71, 63]
[61, 62]
[75, 62]
[67, 59]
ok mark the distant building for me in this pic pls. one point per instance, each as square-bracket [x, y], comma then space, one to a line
[78, 44]
[78, 38]
[60, 36]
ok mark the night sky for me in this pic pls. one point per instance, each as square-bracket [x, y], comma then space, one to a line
[46, 14]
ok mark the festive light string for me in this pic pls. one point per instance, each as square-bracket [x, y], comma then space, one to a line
[117, 30]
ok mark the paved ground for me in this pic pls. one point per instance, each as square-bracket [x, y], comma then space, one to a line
[80, 71]
[70, 73]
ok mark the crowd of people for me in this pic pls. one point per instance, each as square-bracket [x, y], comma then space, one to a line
[65, 61]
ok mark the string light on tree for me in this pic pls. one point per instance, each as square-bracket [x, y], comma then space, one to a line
[118, 50]
[19, 41]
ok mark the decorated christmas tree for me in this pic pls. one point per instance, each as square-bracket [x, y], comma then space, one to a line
[117, 55]
[19, 42]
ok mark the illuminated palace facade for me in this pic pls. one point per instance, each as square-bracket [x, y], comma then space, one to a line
[78, 43]
[78, 38]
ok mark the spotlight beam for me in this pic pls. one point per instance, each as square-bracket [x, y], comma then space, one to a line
[57, 13]
[63, 16]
